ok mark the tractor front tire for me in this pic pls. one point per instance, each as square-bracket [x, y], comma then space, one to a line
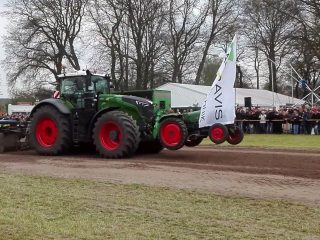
[116, 135]
[235, 135]
[218, 133]
[173, 133]
[193, 141]
[50, 132]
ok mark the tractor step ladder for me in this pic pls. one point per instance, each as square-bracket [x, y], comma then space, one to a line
[75, 131]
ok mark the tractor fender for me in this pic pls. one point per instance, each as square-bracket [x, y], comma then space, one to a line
[177, 115]
[56, 103]
[97, 115]
[160, 118]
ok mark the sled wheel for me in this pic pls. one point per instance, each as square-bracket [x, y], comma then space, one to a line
[235, 135]
[172, 133]
[50, 131]
[150, 147]
[218, 133]
[116, 135]
[193, 141]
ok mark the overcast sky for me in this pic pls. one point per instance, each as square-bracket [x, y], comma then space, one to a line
[3, 21]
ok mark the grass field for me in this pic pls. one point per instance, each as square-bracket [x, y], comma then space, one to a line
[52, 208]
[278, 141]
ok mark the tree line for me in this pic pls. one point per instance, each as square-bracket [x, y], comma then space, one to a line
[145, 43]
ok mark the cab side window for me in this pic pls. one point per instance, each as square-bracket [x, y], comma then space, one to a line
[100, 84]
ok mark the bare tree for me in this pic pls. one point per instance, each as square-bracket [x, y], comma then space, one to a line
[41, 34]
[308, 18]
[221, 19]
[145, 20]
[273, 29]
[306, 63]
[185, 20]
[131, 32]
[257, 66]
[109, 23]
[255, 55]
[209, 72]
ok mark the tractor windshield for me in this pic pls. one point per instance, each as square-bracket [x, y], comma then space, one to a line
[77, 84]
[73, 85]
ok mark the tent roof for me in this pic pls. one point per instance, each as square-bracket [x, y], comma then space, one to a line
[188, 95]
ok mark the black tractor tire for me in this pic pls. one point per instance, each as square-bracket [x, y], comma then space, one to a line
[235, 135]
[50, 131]
[150, 147]
[116, 135]
[218, 133]
[193, 141]
[173, 133]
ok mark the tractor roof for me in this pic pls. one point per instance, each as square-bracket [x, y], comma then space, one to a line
[78, 73]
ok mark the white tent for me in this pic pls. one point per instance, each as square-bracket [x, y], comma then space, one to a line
[14, 109]
[188, 95]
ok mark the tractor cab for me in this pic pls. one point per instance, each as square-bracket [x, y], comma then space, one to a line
[81, 89]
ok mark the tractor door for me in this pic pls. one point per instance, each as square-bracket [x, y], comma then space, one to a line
[77, 91]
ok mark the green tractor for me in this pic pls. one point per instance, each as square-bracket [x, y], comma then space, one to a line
[86, 112]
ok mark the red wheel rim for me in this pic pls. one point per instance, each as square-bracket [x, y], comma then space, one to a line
[171, 134]
[46, 132]
[110, 136]
[217, 134]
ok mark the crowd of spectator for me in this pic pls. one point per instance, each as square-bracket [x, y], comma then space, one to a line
[300, 120]
[20, 117]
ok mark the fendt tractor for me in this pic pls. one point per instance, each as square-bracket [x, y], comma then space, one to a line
[118, 125]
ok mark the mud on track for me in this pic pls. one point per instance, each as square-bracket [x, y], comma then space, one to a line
[275, 174]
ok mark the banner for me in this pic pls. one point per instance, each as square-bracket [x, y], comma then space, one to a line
[219, 106]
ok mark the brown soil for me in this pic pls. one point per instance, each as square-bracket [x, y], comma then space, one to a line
[260, 173]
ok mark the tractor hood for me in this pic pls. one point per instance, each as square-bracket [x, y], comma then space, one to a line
[144, 106]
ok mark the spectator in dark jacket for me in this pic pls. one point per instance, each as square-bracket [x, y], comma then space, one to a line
[296, 122]
[270, 118]
[306, 124]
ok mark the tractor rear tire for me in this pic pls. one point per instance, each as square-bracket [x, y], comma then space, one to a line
[116, 135]
[218, 133]
[235, 135]
[173, 133]
[50, 131]
[193, 141]
[150, 147]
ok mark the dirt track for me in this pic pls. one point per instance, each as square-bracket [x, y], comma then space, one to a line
[275, 174]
